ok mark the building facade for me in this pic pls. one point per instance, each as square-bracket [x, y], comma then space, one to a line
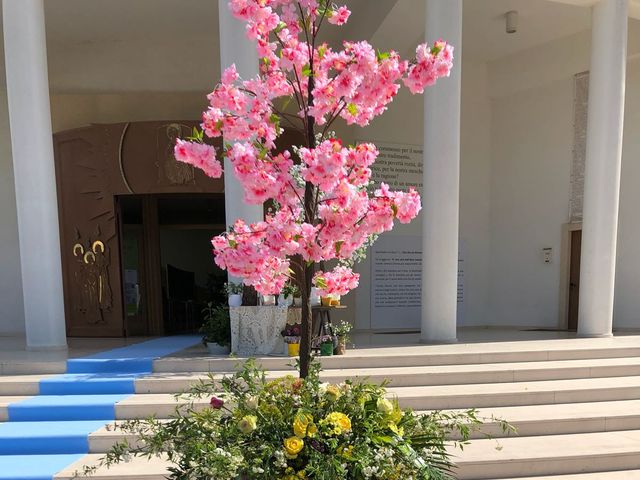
[527, 158]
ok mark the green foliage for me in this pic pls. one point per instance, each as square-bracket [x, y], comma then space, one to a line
[217, 325]
[292, 429]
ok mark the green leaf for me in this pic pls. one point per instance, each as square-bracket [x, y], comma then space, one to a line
[352, 108]
[382, 55]
[306, 71]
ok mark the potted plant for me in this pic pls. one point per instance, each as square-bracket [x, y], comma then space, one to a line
[234, 293]
[216, 329]
[326, 345]
[289, 293]
[291, 335]
[341, 331]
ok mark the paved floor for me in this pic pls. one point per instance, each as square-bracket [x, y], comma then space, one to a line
[13, 349]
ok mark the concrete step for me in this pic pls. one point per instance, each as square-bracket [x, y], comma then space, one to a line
[136, 469]
[433, 375]
[556, 419]
[425, 355]
[529, 420]
[397, 376]
[549, 455]
[618, 475]
[442, 397]
[446, 397]
[595, 454]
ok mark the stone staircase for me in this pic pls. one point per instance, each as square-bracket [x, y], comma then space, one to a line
[575, 403]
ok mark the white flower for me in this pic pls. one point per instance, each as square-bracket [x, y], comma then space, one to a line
[252, 402]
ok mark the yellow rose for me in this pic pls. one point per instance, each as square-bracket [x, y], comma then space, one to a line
[384, 406]
[333, 392]
[301, 424]
[340, 422]
[293, 446]
[248, 424]
[312, 430]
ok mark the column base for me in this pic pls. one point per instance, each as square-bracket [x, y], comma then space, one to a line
[47, 348]
[594, 335]
[448, 341]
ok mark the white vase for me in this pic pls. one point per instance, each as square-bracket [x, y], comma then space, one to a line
[285, 301]
[315, 297]
[216, 349]
[235, 300]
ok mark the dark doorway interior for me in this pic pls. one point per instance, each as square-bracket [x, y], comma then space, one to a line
[574, 279]
[167, 266]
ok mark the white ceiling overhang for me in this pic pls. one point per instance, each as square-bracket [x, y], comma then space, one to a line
[634, 5]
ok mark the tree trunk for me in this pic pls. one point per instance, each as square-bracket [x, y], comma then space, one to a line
[307, 321]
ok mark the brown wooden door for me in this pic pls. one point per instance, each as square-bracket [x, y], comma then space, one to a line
[574, 279]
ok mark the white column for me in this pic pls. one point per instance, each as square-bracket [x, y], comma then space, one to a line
[441, 181]
[34, 172]
[602, 169]
[235, 48]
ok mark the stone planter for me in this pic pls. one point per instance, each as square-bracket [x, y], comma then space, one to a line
[256, 330]
[341, 348]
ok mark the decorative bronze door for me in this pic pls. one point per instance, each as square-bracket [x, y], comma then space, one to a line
[94, 165]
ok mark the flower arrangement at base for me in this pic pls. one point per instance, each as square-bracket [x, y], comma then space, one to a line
[293, 429]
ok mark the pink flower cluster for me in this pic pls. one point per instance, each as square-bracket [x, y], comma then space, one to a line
[199, 155]
[340, 281]
[431, 64]
[356, 84]
[346, 217]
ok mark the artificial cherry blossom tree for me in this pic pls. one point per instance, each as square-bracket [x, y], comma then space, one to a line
[324, 206]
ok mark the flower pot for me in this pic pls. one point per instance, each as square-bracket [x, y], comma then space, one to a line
[216, 349]
[341, 348]
[326, 301]
[326, 349]
[235, 300]
[268, 300]
[293, 349]
[335, 301]
[285, 301]
[297, 301]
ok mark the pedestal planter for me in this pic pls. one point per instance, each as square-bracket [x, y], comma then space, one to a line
[256, 330]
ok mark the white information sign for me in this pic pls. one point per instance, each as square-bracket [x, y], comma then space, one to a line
[399, 166]
[396, 282]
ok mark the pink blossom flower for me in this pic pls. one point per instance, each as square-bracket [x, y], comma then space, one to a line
[199, 155]
[340, 16]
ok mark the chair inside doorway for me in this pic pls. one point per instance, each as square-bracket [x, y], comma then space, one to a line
[167, 265]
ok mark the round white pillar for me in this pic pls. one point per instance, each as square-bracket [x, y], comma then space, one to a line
[236, 48]
[34, 172]
[602, 167]
[441, 182]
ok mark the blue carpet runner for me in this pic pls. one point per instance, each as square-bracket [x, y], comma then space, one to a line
[48, 432]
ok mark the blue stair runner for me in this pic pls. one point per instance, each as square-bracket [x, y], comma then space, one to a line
[48, 432]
